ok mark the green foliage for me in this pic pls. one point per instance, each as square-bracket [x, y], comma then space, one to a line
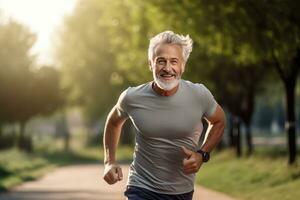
[46, 95]
[24, 93]
[84, 53]
[15, 77]
[17, 167]
[257, 177]
[241, 33]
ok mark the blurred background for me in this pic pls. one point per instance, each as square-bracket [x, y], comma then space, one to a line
[63, 65]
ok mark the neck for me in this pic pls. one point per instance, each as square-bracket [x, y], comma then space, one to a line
[163, 92]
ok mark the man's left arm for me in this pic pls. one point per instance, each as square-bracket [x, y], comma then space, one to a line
[194, 160]
[217, 120]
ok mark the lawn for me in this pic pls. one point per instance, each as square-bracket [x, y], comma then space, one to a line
[264, 176]
[17, 167]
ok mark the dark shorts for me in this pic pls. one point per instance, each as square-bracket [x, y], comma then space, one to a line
[137, 193]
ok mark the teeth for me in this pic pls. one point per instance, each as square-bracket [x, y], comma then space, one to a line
[166, 75]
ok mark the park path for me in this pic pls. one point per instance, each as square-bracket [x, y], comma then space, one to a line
[84, 182]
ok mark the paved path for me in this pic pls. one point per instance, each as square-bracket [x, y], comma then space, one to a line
[83, 182]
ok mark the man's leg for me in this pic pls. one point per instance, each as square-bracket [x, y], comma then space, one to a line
[137, 193]
[185, 196]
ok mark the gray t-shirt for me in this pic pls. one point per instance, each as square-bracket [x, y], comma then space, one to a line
[164, 124]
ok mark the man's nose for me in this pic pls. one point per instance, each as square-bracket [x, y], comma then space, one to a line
[168, 66]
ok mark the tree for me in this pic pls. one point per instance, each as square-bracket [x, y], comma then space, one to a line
[84, 53]
[279, 42]
[23, 92]
[16, 41]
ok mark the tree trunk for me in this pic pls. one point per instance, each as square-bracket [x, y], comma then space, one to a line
[2, 145]
[0, 129]
[237, 136]
[290, 119]
[21, 135]
[290, 79]
[65, 131]
[231, 131]
[250, 101]
[249, 140]
[24, 144]
[62, 130]
[67, 141]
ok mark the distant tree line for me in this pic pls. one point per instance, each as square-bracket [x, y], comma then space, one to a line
[26, 90]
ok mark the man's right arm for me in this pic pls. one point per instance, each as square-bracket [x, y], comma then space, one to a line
[112, 132]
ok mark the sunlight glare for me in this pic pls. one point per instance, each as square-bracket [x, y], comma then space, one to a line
[42, 17]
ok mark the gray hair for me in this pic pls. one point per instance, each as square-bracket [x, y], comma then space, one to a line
[170, 37]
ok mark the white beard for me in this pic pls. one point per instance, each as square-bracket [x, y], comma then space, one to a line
[166, 85]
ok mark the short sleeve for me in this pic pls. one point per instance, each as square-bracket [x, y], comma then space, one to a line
[209, 102]
[121, 105]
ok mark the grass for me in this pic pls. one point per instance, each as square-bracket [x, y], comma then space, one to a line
[86, 155]
[17, 167]
[260, 177]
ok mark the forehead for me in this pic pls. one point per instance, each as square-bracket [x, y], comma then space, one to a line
[168, 51]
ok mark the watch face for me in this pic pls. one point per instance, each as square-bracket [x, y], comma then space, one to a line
[205, 155]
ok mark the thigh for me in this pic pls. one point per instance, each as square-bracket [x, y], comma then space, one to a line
[132, 194]
[185, 196]
[137, 193]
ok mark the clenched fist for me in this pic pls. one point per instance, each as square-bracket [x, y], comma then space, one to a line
[192, 161]
[112, 173]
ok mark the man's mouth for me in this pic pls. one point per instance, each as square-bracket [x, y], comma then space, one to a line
[167, 76]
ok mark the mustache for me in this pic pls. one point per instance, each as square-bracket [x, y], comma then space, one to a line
[167, 73]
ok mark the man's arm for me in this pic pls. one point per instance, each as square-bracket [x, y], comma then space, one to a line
[193, 160]
[112, 132]
[217, 120]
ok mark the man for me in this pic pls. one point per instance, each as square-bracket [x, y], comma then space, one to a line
[167, 115]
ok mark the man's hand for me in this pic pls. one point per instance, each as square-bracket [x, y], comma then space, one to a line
[112, 173]
[192, 161]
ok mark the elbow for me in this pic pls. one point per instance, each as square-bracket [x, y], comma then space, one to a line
[221, 126]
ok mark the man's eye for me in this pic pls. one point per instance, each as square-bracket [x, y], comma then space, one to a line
[161, 62]
[174, 62]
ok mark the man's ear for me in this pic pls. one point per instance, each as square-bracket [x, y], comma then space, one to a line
[150, 65]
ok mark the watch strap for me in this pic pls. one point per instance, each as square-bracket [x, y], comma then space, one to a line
[205, 155]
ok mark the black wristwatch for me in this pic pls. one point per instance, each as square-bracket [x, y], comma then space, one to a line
[205, 155]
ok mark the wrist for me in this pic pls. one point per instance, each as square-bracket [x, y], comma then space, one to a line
[205, 155]
[109, 162]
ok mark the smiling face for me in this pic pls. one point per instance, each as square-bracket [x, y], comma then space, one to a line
[167, 65]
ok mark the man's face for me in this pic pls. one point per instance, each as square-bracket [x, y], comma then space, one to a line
[167, 65]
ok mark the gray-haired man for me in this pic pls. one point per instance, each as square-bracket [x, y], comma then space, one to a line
[167, 115]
